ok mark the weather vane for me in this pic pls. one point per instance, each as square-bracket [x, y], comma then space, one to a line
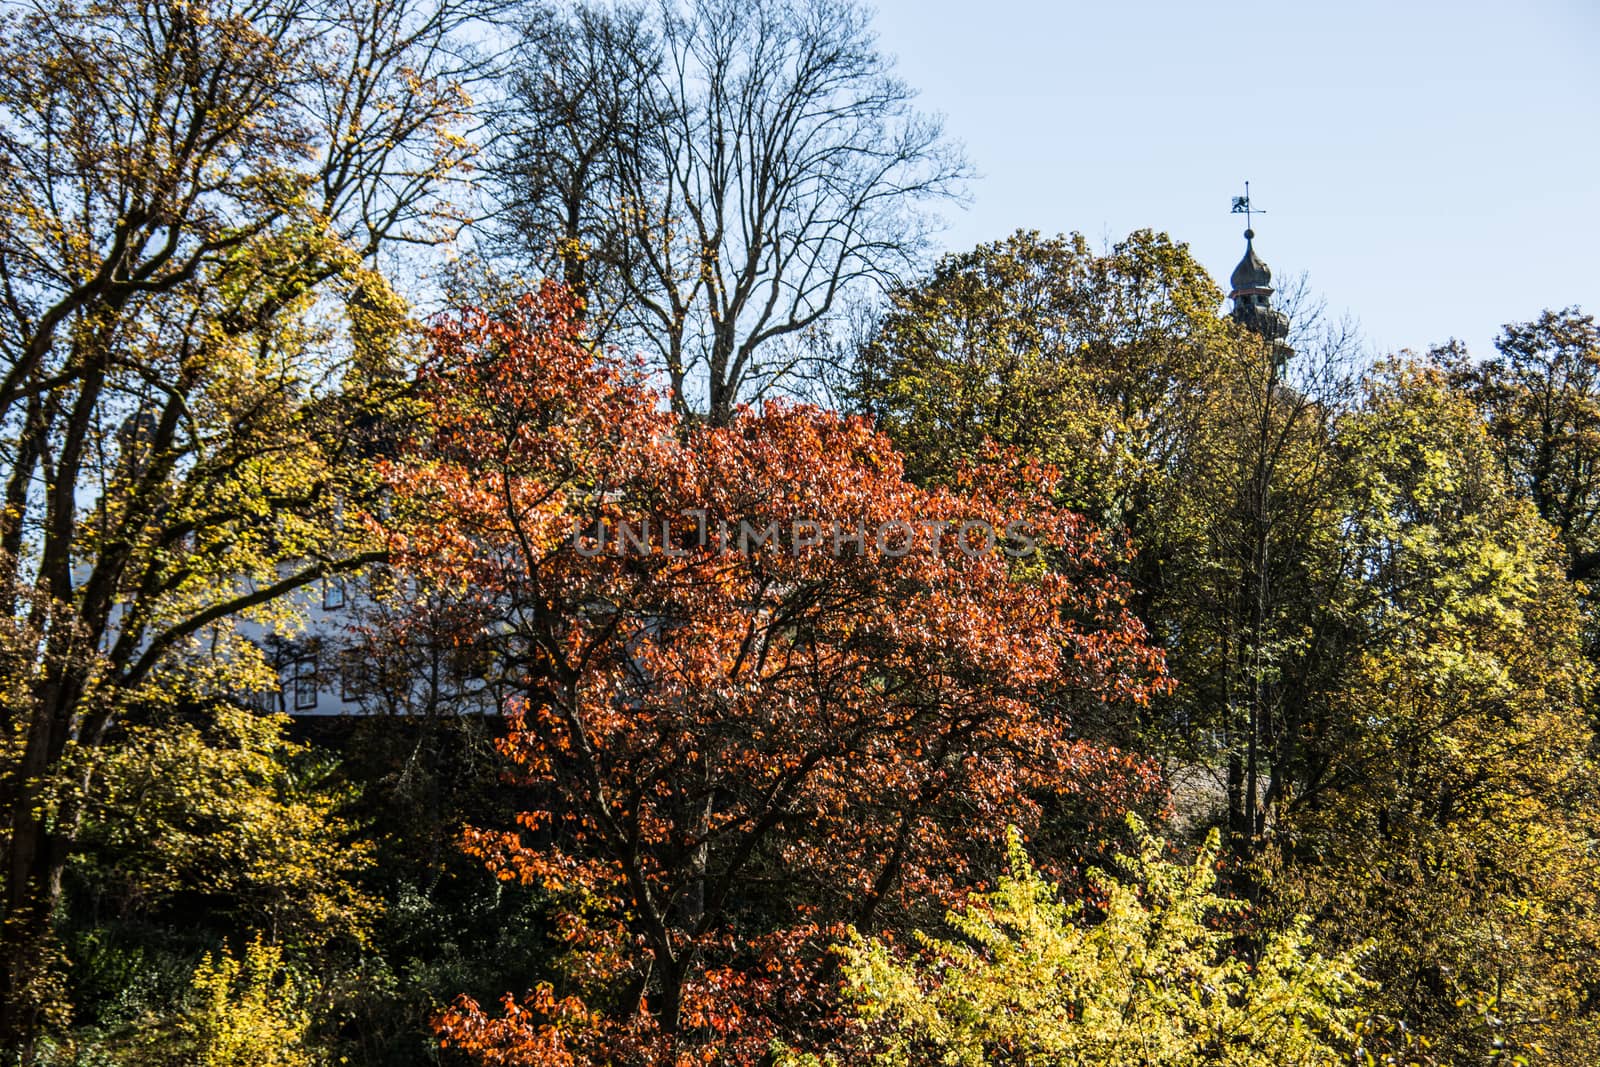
[1241, 206]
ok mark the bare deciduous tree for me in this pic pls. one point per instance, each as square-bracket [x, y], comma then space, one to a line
[714, 177]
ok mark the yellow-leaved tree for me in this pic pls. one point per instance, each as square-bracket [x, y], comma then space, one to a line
[234, 816]
[246, 1012]
[1144, 975]
[192, 199]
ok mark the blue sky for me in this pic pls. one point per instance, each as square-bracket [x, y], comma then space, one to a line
[1433, 167]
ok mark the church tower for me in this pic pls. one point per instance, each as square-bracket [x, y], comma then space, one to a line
[1252, 297]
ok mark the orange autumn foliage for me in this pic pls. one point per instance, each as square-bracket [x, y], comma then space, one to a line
[740, 746]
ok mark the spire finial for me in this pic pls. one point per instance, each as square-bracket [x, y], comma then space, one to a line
[1242, 206]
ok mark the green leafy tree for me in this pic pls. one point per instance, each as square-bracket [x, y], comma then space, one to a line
[1455, 825]
[1146, 976]
[1084, 360]
[1096, 363]
[1540, 398]
[1192, 436]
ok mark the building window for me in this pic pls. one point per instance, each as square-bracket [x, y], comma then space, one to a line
[349, 676]
[332, 593]
[305, 683]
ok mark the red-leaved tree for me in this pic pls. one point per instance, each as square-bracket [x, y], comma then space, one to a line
[765, 685]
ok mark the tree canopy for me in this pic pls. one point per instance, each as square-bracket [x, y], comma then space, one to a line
[747, 633]
[749, 655]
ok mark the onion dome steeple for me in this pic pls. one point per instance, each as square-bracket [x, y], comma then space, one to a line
[1251, 294]
[1251, 274]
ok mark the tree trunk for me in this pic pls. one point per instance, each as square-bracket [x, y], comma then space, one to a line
[35, 858]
